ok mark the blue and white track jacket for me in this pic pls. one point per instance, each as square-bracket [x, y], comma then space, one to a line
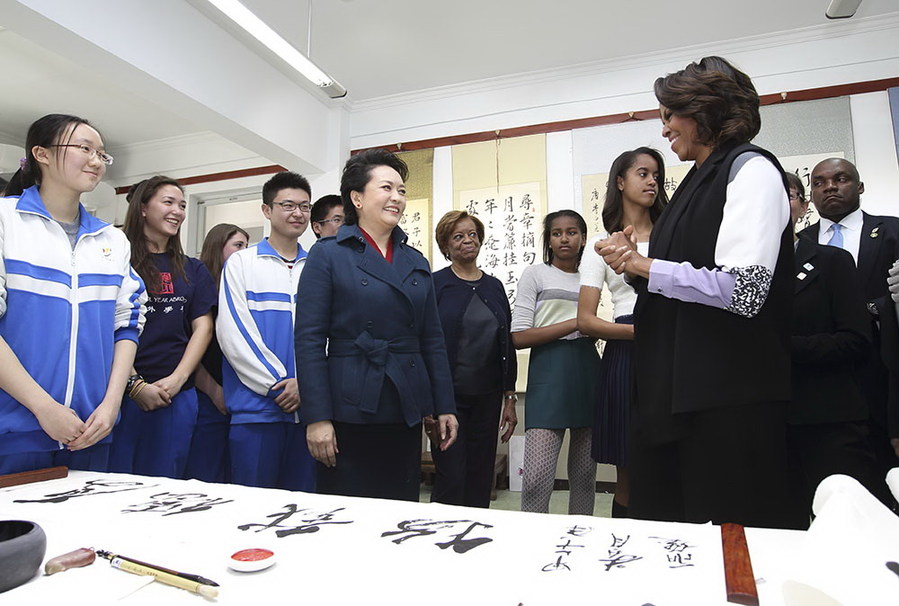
[255, 331]
[62, 311]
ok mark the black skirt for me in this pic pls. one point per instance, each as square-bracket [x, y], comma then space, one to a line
[612, 418]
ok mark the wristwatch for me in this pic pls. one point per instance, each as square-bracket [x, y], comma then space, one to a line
[132, 381]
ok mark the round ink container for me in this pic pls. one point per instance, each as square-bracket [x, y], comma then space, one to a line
[251, 560]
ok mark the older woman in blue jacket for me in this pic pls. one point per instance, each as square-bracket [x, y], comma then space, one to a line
[371, 358]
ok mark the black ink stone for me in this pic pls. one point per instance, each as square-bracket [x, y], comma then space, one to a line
[22, 548]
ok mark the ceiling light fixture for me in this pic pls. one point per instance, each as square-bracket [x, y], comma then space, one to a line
[254, 26]
[842, 9]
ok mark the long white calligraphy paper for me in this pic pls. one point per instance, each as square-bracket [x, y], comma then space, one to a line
[340, 550]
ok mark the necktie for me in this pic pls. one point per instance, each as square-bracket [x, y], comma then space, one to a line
[837, 238]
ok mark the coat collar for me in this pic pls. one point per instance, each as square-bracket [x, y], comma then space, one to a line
[372, 261]
[265, 249]
[31, 202]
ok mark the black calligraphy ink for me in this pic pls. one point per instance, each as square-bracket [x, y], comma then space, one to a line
[893, 566]
[566, 548]
[462, 545]
[90, 488]
[173, 504]
[309, 525]
[678, 554]
[426, 527]
[616, 558]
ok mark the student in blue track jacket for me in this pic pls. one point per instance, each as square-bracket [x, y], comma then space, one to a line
[70, 305]
[255, 331]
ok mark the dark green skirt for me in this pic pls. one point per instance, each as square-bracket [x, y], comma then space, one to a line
[562, 378]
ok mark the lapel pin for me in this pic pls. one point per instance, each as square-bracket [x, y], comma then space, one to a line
[808, 267]
[874, 233]
[802, 275]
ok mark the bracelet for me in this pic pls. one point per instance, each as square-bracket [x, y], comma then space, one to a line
[137, 389]
[512, 396]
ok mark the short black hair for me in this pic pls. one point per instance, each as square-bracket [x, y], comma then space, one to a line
[357, 174]
[284, 180]
[323, 206]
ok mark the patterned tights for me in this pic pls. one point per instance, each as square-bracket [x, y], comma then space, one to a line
[541, 452]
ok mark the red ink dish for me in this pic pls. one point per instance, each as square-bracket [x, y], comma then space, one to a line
[251, 560]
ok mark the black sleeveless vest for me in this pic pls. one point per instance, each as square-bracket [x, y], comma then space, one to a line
[691, 357]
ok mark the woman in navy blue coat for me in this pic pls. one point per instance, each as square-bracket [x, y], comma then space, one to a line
[371, 358]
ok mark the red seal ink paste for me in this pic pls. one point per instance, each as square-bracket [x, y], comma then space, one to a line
[251, 560]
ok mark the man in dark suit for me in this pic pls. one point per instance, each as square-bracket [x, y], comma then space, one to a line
[874, 244]
[831, 334]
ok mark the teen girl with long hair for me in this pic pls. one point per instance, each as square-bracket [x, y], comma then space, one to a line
[160, 410]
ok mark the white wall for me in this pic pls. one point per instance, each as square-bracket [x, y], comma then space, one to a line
[831, 54]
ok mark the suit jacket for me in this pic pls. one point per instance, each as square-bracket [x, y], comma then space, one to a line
[831, 334]
[362, 322]
[878, 250]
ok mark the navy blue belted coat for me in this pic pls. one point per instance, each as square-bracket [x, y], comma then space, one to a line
[361, 321]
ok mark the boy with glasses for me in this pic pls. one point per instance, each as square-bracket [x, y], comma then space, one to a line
[327, 216]
[255, 330]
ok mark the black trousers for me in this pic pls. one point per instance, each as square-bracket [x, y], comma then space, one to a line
[381, 461]
[729, 466]
[822, 449]
[465, 471]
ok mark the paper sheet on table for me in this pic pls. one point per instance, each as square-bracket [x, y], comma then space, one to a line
[340, 550]
[850, 555]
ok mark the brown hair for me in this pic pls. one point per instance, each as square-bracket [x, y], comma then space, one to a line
[211, 255]
[141, 258]
[613, 207]
[721, 99]
[447, 223]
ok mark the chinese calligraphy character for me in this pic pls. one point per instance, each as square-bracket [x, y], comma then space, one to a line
[425, 527]
[90, 488]
[312, 522]
[172, 503]
[616, 558]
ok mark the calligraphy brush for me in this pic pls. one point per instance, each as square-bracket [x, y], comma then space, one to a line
[184, 575]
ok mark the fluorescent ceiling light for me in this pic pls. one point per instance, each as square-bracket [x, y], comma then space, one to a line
[254, 26]
[842, 9]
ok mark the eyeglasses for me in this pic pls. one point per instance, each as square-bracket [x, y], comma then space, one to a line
[795, 196]
[289, 207]
[338, 220]
[88, 151]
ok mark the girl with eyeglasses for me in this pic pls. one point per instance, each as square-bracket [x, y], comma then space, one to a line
[160, 407]
[70, 305]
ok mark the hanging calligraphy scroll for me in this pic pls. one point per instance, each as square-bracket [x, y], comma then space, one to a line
[512, 217]
[416, 220]
[503, 183]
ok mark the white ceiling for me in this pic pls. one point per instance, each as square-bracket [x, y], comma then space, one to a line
[380, 48]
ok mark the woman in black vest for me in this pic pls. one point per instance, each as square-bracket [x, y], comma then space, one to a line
[712, 345]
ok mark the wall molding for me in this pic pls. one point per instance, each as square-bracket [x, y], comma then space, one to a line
[809, 94]
[223, 176]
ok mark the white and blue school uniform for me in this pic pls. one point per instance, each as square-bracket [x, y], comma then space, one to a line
[255, 330]
[62, 309]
